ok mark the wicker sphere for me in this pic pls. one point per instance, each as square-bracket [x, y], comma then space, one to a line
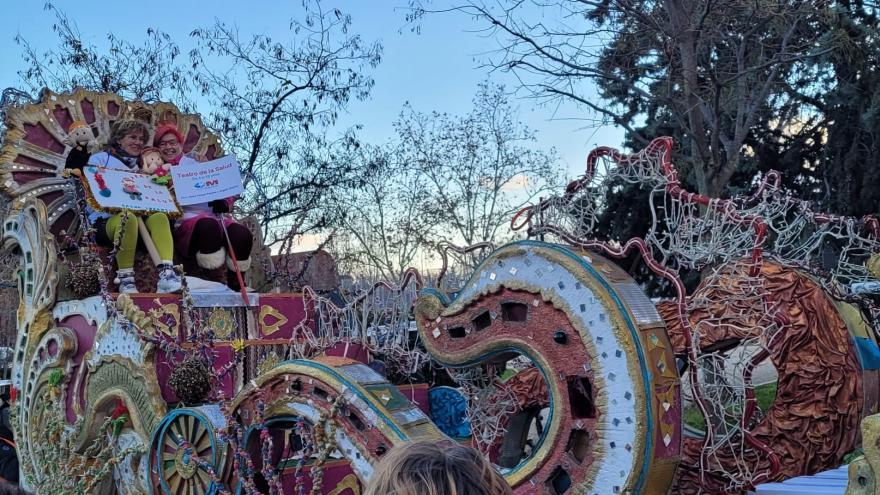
[83, 280]
[191, 380]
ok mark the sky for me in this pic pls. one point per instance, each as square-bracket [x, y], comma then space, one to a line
[435, 69]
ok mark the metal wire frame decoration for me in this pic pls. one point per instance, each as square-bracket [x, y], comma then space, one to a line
[378, 319]
[731, 242]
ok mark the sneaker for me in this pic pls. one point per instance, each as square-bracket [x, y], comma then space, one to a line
[169, 280]
[125, 281]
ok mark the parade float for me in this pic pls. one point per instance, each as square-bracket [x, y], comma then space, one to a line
[549, 357]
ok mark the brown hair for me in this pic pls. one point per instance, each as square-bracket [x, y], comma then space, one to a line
[426, 468]
[10, 489]
[124, 127]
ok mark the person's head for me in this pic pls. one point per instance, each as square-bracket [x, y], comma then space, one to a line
[169, 141]
[444, 468]
[129, 136]
[11, 489]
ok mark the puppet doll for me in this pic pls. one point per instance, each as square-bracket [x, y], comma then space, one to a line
[81, 141]
[153, 165]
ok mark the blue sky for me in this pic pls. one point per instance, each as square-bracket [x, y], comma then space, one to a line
[436, 69]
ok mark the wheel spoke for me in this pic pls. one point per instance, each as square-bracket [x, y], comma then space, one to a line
[203, 440]
[177, 426]
[170, 472]
[174, 480]
[204, 479]
[187, 428]
[170, 441]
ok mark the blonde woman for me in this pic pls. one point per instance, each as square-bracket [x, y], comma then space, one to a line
[443, 468]
[124, 147]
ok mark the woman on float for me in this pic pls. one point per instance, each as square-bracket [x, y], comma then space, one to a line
[199, 232]
[127, 139]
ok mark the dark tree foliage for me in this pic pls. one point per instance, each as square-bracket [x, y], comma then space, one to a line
[708, 71]
[743, 87]
[842, 156]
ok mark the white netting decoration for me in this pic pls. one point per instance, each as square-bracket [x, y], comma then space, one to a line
[727, 241]
[490, 405]
[377, 317]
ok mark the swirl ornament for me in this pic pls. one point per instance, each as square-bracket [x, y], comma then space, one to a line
[26, 230]
[614, 401]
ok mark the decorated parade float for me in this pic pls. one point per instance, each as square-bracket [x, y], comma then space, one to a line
[548, 357]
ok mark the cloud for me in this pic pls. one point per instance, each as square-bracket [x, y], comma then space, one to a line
[517, 183]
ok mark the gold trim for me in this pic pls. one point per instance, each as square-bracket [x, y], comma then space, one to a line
[350, 482]
[170, 309]
[221, 322]
[266, 311]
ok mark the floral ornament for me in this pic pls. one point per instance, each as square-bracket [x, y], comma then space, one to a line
[119, 416]
[221, 322]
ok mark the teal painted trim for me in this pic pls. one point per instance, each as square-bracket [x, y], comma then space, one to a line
[354, 387]
[869, 353]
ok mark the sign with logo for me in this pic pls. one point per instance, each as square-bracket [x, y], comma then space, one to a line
[112, 190]
[203, 182]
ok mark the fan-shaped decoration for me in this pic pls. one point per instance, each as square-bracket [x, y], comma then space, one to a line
[183, 447]
[34, 151]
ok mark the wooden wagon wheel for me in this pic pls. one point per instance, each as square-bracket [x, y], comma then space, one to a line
[183, 448]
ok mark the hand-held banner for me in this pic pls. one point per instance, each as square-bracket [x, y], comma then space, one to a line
[203, 182]
[110, 189]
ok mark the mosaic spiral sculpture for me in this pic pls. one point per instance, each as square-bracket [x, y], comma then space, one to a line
[615, 413]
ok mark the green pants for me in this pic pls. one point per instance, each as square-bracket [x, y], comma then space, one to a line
[157, 225]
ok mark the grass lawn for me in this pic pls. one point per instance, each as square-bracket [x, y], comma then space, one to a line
[765, 394]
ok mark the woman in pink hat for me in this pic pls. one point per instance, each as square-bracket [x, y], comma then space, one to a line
[199, 232]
